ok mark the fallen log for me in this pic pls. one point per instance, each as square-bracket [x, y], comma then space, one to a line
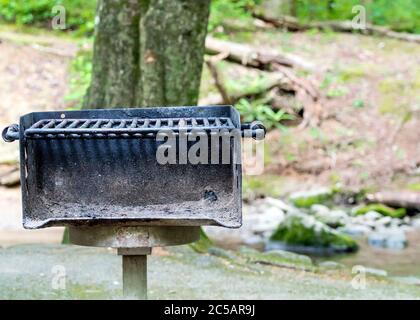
[293, 24]
[256, 57]
[277, 81]
[305, 91]
[398, 199]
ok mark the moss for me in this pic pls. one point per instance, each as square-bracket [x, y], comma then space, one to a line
[309, 198]
[396, 95]
[351, 74]
[66, 236]
[277, 258]
[264, 185]
[414, 186]
[203, 244]
[222, 253]
[306, 231]
[382, 209]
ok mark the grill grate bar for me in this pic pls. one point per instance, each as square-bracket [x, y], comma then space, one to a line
[116, 128]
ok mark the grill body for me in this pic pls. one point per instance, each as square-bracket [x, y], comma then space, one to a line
[99, 166]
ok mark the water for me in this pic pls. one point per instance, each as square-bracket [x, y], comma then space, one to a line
[402, 263]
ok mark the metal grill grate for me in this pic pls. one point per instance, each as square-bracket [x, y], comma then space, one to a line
[121, 128]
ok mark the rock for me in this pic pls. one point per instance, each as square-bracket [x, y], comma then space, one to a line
[385, 221]
[268, 220]
[222, 253]
[304, 230]
[279, 204]
[331, 265]
[277, 258]
[254, 240]
[364, 221]
[305, 199]
[372, 215]
[380, 208]
[408, 280]
[356, 230]
[320, 209]
[333, 218]
[376, 272]
[388, 238]
[259, 218]
[415, 223]
[11, 178]
[406, 220]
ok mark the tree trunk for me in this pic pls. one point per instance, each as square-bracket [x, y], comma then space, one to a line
[293, 8]
[147, 53]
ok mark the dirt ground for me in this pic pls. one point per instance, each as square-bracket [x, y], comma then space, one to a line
[369, 136]
[33, 77]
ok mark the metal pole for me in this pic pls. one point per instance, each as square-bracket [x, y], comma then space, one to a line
[134, 272]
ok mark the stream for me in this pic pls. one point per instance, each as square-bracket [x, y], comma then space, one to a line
[400, 263]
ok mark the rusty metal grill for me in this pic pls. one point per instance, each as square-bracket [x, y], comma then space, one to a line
[121, 128]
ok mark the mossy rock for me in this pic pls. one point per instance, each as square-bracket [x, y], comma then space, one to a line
[304, 230]
[278, 258]
[382, 209]
[306, 199]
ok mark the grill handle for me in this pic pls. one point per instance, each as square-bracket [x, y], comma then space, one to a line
[255, 130]
[11, 133]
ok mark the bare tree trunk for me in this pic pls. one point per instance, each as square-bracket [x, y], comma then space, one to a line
[147, 53]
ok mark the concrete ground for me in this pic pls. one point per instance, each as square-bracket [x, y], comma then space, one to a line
[71, 272]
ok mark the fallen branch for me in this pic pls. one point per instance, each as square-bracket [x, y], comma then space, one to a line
[306, 92]
[400, 199]
[292, 24]
[211, 65]
[277, 81]
[308, 95]
[256, 58]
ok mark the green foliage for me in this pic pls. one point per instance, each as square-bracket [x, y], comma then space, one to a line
[400, 15]
[224, 10]
[80, 15]
[358, 103]
[256, 110]
[382, 209]
[80, 74]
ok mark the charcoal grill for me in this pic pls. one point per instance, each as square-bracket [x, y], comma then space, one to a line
[96, 171]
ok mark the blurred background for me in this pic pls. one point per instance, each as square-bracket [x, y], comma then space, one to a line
[335, 82]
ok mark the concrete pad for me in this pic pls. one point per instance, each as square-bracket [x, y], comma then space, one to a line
[71, 272]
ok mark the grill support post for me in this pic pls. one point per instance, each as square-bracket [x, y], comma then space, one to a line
[134, 244]
[134, 272]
